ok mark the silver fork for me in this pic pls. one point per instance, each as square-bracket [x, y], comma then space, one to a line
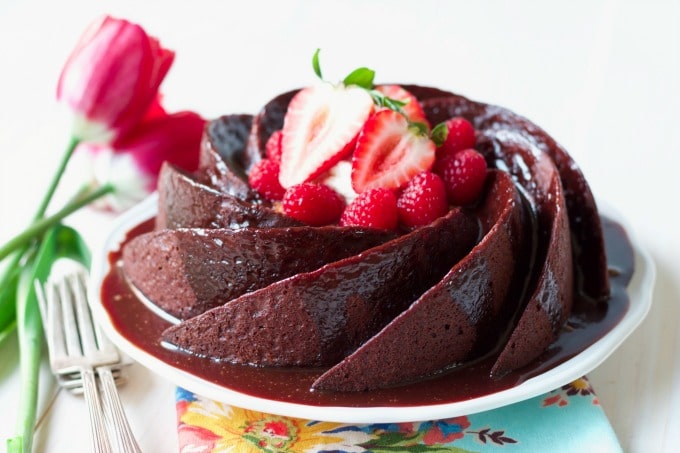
[78, 350]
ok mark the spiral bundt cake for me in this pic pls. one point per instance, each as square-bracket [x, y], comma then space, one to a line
[378, 293]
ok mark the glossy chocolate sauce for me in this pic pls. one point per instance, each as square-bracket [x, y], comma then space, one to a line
[588, 322]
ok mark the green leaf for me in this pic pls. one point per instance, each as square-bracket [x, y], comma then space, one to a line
[29, 331]
[362, 77]
[9, 278]
[70, 244]
[7, 331]
[59, 242]
[8, 307]
[439, 134]
[379, 447]
[316, 65]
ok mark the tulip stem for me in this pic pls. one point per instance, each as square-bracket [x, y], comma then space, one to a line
[42, 208]
[40, 226]
[40, 212]
[12, 268]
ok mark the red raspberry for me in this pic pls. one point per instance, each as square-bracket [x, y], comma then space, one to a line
[373, 208]
[313, 204]
[422, 201]
[272, 148]
[463, 174]
[264, 178]
[461, 135]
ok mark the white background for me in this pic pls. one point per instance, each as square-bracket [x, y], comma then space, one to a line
[603, 77]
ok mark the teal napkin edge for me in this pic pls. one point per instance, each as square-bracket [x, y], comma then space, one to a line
[568, 419]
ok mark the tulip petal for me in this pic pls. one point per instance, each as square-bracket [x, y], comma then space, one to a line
[132, 164]
[112, 78]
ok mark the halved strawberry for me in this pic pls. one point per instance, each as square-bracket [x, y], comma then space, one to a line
[389, 152]
[320, 128]
[413, 110]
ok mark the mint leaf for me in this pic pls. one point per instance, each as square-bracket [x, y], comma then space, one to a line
[316, 65]
[439, 134]
[362, 77]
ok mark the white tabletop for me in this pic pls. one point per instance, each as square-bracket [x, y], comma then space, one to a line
[603, 77]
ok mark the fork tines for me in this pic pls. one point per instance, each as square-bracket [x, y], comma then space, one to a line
[73, 339]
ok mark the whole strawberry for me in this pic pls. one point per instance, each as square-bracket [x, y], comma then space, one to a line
[313, 204]
[374, 208]
[422, 201]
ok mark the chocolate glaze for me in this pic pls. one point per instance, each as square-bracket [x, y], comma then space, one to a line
[439, 105]
[186, 272]
[494, 123]
[267, 121]
[511, 143]
[183, 202]
[319, 317]
[588, 322]
[552, 290]
[457, 319]
[489, 120]
[221, 151]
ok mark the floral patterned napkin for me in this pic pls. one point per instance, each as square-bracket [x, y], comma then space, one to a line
[567, 419]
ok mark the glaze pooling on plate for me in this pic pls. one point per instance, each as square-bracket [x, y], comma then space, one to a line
[134, 328]
[326, 316]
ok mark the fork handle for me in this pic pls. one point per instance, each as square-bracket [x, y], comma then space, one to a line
[125, 437]
[100, 437]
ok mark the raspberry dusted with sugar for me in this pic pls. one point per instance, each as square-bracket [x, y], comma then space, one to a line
[422, 201]
[264, 178]
[460, 135]
[374, 208]
[273, 147]
[313, 204]
[463, 174]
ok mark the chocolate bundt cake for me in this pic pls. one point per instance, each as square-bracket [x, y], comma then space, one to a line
[373, 308]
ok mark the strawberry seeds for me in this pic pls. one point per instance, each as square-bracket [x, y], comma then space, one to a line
[399, 178]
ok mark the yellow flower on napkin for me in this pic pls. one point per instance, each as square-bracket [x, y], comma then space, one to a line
[226, 428]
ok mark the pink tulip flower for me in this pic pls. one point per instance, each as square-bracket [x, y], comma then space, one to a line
[132, 164]
[111, 79]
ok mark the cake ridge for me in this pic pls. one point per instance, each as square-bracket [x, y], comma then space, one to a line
[566, 251]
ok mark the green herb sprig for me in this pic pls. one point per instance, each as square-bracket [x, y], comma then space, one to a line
[364, 77]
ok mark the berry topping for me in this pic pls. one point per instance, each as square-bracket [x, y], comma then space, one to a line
[313, 204]
[460, 135]
[422, 201]
[463, 174]
[273, 147]
[264, 178]
[389, 152]
[320, 128]
[374, 208]
[412, 108]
